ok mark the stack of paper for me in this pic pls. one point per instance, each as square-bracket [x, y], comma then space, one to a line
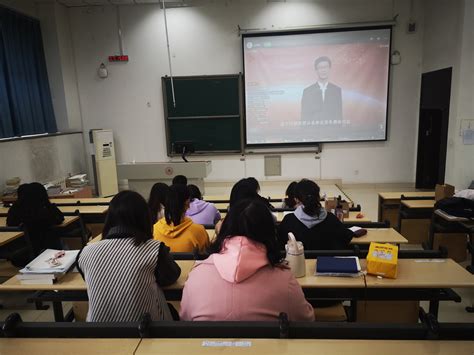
[47, 268]
[76, 181]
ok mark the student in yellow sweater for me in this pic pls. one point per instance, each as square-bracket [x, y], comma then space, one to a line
[176, 230]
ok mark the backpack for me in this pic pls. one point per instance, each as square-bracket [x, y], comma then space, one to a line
[456, 206]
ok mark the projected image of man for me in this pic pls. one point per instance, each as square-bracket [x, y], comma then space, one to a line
[322, 101]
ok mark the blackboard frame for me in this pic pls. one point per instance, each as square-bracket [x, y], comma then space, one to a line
[202, 118]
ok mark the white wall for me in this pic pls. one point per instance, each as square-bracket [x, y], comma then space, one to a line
[41, 159]
[204, 40]
[448, 42]
[60, 63]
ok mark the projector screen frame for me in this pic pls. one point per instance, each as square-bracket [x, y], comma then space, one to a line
[328, 29]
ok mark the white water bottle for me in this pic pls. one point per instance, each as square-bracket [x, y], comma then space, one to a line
[295, 256]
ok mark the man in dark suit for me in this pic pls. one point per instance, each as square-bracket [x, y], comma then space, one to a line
[322, 101]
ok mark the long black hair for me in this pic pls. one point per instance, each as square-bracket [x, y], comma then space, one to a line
[175, 206]
[157, 199]
[194, 192]
[307, 192]
[242, 190]
[33, 196]
[290, 195]
[251, 219]
[129, 210]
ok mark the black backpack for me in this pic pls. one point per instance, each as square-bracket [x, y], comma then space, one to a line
[456, 206]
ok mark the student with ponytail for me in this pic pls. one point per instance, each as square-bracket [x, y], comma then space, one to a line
[311, 224]
[176, 230]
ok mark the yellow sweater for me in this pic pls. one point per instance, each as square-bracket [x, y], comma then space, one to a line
[185, 237]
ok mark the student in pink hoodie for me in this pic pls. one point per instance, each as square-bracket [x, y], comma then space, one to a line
[243, 278]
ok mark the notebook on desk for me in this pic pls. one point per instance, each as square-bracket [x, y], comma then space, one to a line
[338, 266]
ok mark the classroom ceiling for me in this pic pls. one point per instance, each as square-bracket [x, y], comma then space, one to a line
[171, 3]
[73, 3]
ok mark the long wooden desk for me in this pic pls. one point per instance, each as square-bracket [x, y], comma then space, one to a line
[351, 219]
[425, 273]
[374, 235]
[306, 346]
[20, 346]
[67, 221]
[7, 237]
[419, 204]
[417, 280]
[45, 346]
[78, 201]
[85, 210]
[389, 203]
[414, 219]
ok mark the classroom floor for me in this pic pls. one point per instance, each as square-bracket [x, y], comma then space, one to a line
[365, 195]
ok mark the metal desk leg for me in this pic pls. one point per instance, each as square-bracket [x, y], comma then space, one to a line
[353, 313]
[434, 308]
[58, 311]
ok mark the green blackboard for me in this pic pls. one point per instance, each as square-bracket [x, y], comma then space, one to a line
[207, 112]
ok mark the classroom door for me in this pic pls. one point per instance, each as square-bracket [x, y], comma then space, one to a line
[433, 128]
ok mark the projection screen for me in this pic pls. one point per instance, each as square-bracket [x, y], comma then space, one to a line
[318, 86]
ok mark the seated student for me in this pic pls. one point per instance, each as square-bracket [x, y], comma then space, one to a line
[311, 224]
[256, 186]
[176, 230]
[201, 212]
[289, 201]
[180, 180]
[242, 190]
[156, 201]
[38, 214]
[125, 271]
[243, 278]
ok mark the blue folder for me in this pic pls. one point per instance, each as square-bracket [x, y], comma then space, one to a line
[337, 265]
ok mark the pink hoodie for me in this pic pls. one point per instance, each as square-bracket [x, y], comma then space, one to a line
[240, 284]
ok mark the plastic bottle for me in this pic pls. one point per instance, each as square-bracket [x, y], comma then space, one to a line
[295, 256]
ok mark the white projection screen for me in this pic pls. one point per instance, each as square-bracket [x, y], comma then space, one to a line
[318, 86]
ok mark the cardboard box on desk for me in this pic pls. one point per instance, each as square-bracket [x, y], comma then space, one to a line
[443, 191]
[382, 260]
[332, 203]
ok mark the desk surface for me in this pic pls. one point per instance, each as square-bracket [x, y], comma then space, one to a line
[375, 235]
[411, 274]
[71, 209]
[67, 221]
[419, 203]
[398, 195]
[424, 273]
[380, 235]
[351, 219]
[18, 346]
[98, 200]
[21, 346]
[84, 209]
[7, 237]
[73, 281]
[307, 346]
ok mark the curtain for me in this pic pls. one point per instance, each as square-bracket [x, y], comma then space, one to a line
[25, 97]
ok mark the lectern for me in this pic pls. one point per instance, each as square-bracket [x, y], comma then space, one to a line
[142, 176]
